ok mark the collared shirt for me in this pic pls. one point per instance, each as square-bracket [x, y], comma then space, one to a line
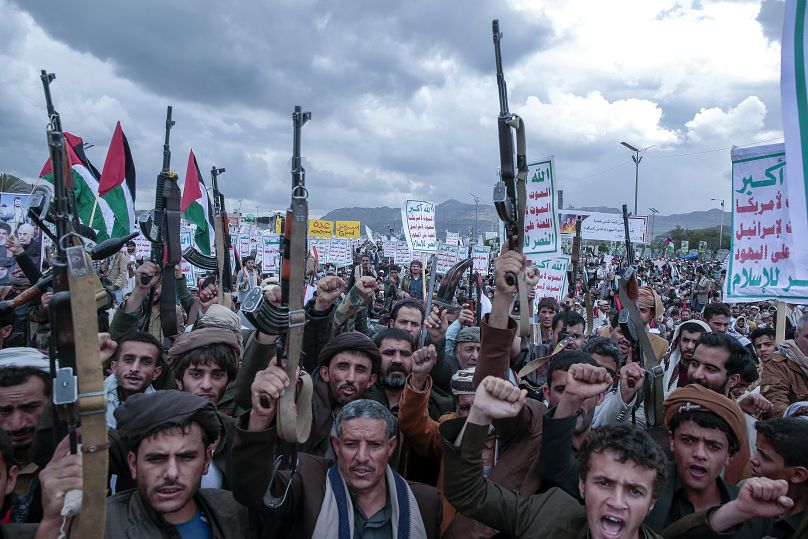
[681, 506]
[377, 526]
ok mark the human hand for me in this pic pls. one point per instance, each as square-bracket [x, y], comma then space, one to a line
[436, 323]
[149, 269]
[62, 474]
[632, 378]
[13, 244]
[496, 398]
[423, 360]
[267, 387]
[328, 290]
[755, 404]
[507, 262]
[366, 286]
[759, 497]
[106, 347]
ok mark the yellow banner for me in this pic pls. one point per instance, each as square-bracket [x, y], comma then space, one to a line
[321, 229]
[348, 229]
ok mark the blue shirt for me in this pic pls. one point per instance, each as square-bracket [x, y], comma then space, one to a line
[196, 528]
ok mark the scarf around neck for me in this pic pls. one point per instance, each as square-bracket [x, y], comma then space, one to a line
[337, 511]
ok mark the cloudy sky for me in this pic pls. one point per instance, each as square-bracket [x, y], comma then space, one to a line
[403, 94]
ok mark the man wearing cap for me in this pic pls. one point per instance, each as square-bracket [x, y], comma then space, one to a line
[353, 494]
[705, 430]
[509, 453]
[171, 436]
[202, 362]
[785, 375]
[25, 388]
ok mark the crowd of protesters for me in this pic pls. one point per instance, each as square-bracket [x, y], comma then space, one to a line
[421, 425]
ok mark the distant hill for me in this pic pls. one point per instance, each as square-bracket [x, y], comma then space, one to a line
[456, 216]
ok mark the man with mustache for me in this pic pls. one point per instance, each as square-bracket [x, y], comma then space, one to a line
[355, 493]
[25, 388]
[138, 361]
[171, 436]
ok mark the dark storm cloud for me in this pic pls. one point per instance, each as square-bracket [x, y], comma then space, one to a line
[271, 54]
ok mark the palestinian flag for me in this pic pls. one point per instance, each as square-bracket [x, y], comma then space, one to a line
[196, 207]
[117, 184]
[85, 185]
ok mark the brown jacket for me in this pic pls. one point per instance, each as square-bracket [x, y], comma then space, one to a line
[253, 455]
[782, 382]
[515, 468]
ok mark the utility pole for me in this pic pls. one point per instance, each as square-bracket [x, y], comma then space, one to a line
[654, 211]
[721, 230]
[476, 202]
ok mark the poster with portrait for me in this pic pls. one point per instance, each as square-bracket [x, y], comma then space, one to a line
[14, 221]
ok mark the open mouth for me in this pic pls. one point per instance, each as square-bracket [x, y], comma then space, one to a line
[611, 526]
[697, 472]
[169, 492]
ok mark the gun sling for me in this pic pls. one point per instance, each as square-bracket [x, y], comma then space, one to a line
[83, 284]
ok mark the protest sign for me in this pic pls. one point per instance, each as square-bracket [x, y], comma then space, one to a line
[418, 217]
[766, 260]
[447, 257]
[270, 252]
[403, 254]
[321, 229]
[348, 229]
[552, 276]
[452, 238]
[604, 226]
[685, 246]
[541, 223]
[339, 252]
[389, 248]
[479, 255]
[322, 245]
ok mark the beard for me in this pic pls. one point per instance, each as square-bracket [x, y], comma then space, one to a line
[395, 377]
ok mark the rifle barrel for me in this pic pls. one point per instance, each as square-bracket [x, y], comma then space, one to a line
[166, 144]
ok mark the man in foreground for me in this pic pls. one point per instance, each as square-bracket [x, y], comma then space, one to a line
[354, 494]
[621, 470]
[171, 435]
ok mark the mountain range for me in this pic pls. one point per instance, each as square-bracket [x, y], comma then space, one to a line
[456, 216]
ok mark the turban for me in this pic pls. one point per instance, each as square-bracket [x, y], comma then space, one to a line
[202, 337]
[21, 356]
[651, 300]
[351, 341]
[792, 409]
[461, 382]
[145, 413]
[693, 398]
[469, 334]
[220, 316]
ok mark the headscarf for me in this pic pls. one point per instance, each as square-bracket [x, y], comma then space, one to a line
[648, 298]
[144, 413]
[20, 356]
[694, 397]
[202, 337]
[461, 383]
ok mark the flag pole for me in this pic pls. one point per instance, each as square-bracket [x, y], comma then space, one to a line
[92, 214]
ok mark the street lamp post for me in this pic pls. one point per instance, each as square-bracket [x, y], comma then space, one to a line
[636, 157]
[720, 230]
[476, 202]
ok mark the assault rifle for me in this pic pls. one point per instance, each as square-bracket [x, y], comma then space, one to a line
[77, 396]
[162, 228]
[287, 319]
[510, 192]
[633, 330]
